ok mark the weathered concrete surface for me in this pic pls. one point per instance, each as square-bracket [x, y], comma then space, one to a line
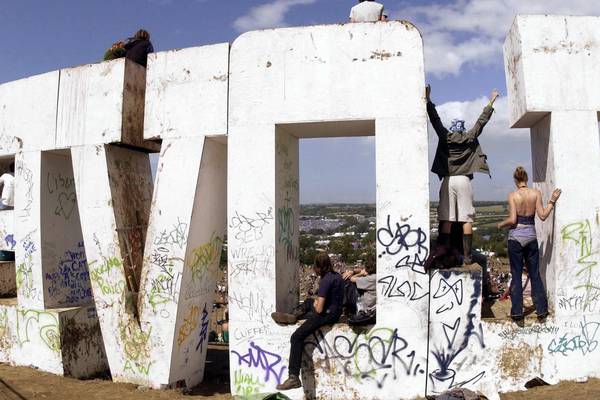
[550, 61]
[311, 84]
[51, 268]
[36, 130]
[154, 247]
[186, 92]
[181, 254]
[62, 341]
[7, 230]
[163, 242]
[101, 103]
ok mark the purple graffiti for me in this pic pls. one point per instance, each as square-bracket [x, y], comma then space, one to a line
[204, 329]
[257, 357]
[10, 241]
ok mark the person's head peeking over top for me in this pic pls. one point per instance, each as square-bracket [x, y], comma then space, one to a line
[142, 34]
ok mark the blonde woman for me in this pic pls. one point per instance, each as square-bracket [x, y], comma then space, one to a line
[524, 203]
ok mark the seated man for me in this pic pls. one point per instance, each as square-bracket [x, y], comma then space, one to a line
[7, 180]
[367, 11]
[326, 309]
[361, 289]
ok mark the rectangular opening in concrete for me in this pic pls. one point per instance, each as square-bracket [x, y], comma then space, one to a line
[336, 160]
[66, 279]
[8, 283]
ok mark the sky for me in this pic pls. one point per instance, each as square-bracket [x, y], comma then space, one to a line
[463, 60]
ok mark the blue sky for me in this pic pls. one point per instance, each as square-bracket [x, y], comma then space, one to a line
[463, 62]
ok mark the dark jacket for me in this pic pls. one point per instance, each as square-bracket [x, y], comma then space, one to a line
[138, 50]
[459, 153]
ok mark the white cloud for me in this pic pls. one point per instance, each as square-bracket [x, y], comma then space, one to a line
[463, 33]
[506, 148]
[470, 111]
[268, 15]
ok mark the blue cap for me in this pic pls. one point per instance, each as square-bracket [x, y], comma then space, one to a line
[458, 125]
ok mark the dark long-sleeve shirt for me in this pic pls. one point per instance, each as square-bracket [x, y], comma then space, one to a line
[459, 153]
[137, 50]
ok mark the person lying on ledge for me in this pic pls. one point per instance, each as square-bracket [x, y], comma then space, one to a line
[326, 309]
[361, 293]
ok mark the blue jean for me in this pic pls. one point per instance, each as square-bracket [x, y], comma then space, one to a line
[517, 255]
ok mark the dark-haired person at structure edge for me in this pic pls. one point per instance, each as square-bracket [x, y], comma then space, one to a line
[138, 47]
[326, 309]
[457, 158]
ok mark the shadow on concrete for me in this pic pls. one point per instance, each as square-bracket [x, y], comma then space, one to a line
[216, 373]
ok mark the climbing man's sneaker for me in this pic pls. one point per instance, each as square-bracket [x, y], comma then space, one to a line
[292, 382]
[284, 318]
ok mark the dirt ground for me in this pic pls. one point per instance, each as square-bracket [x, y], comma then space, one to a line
[17, 383]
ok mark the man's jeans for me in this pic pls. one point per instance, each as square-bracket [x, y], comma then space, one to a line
[530, 253]
[313, 322]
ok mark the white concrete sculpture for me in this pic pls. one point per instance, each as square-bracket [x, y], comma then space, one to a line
[174, 231]
[343, 80]
[229, 122]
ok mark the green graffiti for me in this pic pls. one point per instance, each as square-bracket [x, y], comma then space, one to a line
[44, 324]
[24, 279]
[3, 322]
[247, 384]
[580, 233]
[136, 349]
[98, 275]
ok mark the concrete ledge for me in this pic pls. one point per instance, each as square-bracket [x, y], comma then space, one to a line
[63, 341]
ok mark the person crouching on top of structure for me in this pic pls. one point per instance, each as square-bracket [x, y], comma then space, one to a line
[326, 309]
[138, 47]
[367, 11]
[457, 158]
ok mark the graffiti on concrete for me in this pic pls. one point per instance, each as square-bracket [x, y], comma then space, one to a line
[267, 363]
[409, 246]
[378, 355]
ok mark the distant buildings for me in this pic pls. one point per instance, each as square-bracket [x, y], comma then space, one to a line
[309, 223]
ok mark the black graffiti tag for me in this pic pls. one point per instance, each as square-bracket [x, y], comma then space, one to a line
[408, 244]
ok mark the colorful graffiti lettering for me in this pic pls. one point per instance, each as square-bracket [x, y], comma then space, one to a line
[31, 323]
[261, 359]
[247, 384]
[580, 233]
[98, 275]
[70, 283]
[388, 355]
[190, 321]
[203, 329]
[136, 349]
[10, 241]
[585, 342]
[204, 257]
